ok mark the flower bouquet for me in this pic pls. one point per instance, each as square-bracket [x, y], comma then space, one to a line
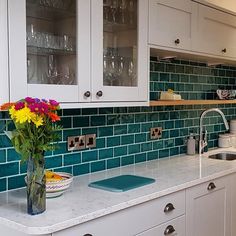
[35, 132]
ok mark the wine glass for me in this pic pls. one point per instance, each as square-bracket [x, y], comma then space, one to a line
[123, 6]
[114, 8]
[120, 69]
[132, 72]
[106, 9]
[105, 68]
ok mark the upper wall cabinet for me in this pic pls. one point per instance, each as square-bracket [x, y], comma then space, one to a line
[79, 51]
[171, 23]
[4, 95]
[215, 33]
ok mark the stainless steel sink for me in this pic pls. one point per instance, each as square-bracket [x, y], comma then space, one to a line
[224, 156]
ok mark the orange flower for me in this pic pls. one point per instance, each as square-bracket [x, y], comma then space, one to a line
[6, 106]
[54, 117]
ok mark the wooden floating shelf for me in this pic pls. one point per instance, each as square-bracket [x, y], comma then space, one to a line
[190, 102]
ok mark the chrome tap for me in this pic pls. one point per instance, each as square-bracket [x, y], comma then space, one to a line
[203, 141]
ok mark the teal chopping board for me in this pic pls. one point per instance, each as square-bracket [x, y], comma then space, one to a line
[121, 183]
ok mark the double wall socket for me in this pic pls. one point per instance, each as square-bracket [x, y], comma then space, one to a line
[81, 142]
[155, 132]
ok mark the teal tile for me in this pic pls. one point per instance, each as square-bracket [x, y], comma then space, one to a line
[140, 157]
[81, 169]
[81, 121]
[127, 139]
[71, 159]
[105, 131]
[164, 153]
[89, 156]
[3, 185]
[71, 132]
[174, 133]
[61, 148]
[106, 153]
[23, 167]
[9, 169]
[146, 127]
[89, 131]
[16, 182]
[67, 169]
[153, 116]
[135, 148]
[169, 143]
[146, 146]
[66, 122]
[5, 141]
[154, 76]
[113, 163]
[12, 155]
[134, 109]
[2, 126]
[89, 111]
[113, 119]
[53, 162]
[71, 112]
[107, 110]
[120, 129]
[2, 156]
[98, 166]
[134, 128]
[164, 77]
[139, 138]
[127, 160]
[158, 144]
[152, 155]
[113, 141]
[120, 151]
[98, 120]
[174, 151]
[100, 143]
[127, 118]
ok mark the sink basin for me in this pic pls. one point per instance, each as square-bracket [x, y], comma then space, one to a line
[224, 156]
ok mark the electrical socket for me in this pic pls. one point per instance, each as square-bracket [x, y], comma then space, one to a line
[155, 132]
[90, 140]
[76, 143]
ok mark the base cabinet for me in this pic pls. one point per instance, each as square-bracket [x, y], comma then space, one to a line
[208, 208]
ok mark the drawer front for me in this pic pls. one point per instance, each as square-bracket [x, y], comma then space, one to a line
[174, 227]
[133, 220]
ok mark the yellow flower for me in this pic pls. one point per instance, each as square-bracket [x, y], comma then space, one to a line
[12, 112]
[38, 121]
[23, 115]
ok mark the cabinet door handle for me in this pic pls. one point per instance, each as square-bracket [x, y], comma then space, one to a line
[87, 94]
[177, 41]
[169, 230]
[99, 93]
[211, 186]
[87, 235]
[169, 207]
[224, 50]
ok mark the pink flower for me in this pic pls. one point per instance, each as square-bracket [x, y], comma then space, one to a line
[53, 103]
[29, 100]
[19, 105]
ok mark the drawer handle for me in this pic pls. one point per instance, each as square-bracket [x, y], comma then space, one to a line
[99, 93]
[224, 50]
[177, 41]
[87, 94]
[211, 186]
[169, 207]
[169, 230]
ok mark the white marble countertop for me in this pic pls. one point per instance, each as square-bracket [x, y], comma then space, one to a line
[82, 203]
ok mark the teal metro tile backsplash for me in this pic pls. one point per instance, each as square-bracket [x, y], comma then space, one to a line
[123, 133]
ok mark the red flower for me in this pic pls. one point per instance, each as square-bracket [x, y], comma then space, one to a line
[6, 106]
[54, 117]
[19, 105]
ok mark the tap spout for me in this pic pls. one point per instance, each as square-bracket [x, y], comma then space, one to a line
[202, 143]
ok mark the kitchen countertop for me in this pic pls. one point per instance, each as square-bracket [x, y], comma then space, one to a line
[82, 203]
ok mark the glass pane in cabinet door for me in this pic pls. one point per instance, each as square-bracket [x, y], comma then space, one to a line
[120, 42]
[51, 41]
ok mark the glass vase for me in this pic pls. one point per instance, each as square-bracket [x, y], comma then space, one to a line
[36, 185]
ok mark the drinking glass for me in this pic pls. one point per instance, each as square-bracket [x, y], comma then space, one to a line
[123, 8]
[132, 72]
[106, 9]
[114, 8]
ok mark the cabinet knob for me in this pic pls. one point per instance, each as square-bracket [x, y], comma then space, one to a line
[224, 50]
[177, 41]
[169, 207]
[211, 186]
[87, 235]
[169, 230]
[87, 94]
[99, 93]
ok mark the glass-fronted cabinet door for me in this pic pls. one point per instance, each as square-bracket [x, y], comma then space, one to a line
[119, 50]
[4, 90]
[46, 46]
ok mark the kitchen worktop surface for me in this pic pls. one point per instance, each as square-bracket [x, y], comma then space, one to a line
[82, 203]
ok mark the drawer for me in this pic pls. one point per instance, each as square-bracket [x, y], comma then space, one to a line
[174, 227]
[133, 220]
